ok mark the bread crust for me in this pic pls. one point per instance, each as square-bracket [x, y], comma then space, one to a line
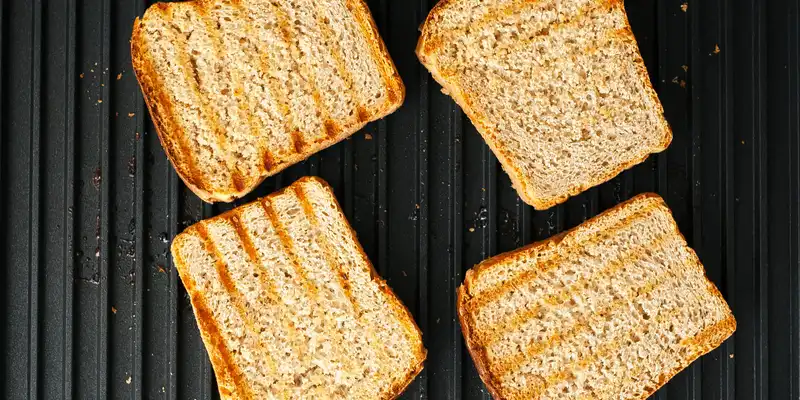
[702, 343]
[214, 344]
[172, 135]
[427, 55]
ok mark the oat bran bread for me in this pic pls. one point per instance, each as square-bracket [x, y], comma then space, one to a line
[557, 88]
[610, 310]
[241, 89]
[289, 306]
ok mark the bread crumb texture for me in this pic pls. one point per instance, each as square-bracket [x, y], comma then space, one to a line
[557, 88]
[610, 310]
[290, 307]
[240, 90]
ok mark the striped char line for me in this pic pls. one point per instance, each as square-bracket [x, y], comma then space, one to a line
[181, 47]
[341, 67]
[326, 248]
[492, 295]
[604, 350]
[226, 369]
[162, 110]
[238, 87]
[267, 283]
[515, 321]
[230, 288]
[307, 77]
[515, 362]
[276, 91]
[289, 248]
[492, 16]
[360, 12]
[451, 73]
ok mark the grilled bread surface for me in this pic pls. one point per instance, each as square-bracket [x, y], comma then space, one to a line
[610, 310]
[241, 89]
[289, 306]
[557, 88]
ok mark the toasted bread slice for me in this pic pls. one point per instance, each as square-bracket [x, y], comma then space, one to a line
[610, 310]
[557, 88]
[289, 306]
[241, 89]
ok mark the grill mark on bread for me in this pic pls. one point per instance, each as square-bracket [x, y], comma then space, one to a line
[252, 255]
[605, 349]
[216, 43]
[341, 277]
[475, 304]
[369, 31]
[233, 293]
[498, 53]
[163, 112]
[494, 15]
[515, 321]
[277, 92]
[288, 246]
[194, 80]
[238, 84]
[307, 76]
[341, 68]
[514, 363]
[229, 372]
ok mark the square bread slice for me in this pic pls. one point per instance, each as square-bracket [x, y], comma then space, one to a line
[557, 88]
[610, 310]
[289, 306]
[241, 89]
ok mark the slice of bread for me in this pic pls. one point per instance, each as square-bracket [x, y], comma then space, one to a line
[289, 306]
[241, 89]
[557, 88]
[610, 310]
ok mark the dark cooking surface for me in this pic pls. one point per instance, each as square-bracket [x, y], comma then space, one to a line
[91, 306]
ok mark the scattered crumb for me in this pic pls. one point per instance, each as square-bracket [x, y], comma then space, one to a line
[742, 141]
[404, 273]
[116, 114]
[716, 49]
[367, 136]
[472, 229]
[161, 269]
[119, 76]
[138, 136]
[675, 80]
[81, 75]
[685, 68]
[437, 320]
[483, 189]
[113, 309]
[128, 381]
[103, 84]
[731, 356]
[99, 100]
[91, 70]
[683, 84]
[684, 7]
[417, 206]
[131, 115]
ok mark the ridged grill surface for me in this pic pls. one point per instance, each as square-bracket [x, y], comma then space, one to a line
[91, 306]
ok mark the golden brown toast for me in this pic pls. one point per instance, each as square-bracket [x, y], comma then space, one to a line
[610, 310]
[241, 89]
[289, 306]
[557, 89]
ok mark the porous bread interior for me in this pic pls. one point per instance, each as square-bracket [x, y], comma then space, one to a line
[305, 317]
[256, 86]
[593, 316]
[557, 88]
